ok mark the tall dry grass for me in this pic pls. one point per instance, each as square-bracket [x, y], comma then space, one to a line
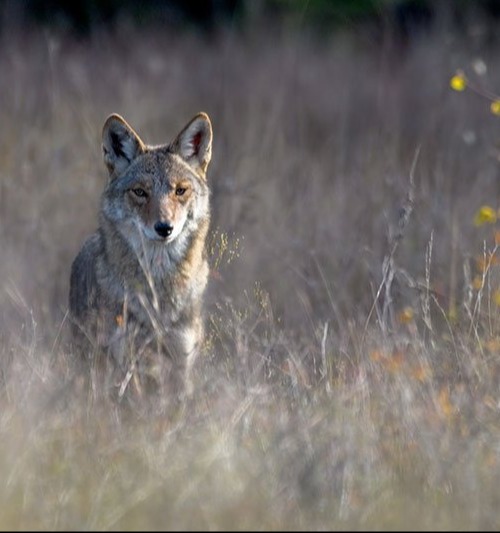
[347, 382]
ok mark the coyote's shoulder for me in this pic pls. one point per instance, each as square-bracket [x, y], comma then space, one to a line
[137, 283]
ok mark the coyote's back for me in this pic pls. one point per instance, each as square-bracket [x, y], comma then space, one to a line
[137, 284]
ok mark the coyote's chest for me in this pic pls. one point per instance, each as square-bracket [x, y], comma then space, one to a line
[156, 299]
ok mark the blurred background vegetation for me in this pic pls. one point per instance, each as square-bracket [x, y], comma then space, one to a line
[405, 16]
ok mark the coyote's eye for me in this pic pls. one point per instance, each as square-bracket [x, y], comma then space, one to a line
[180, 191]
[141, 193]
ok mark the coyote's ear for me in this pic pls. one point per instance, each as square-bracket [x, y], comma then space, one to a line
[120, 144]
[194, 143]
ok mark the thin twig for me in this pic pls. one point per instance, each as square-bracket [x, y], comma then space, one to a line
[394, 240]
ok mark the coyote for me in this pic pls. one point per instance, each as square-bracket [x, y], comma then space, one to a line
[137, 284]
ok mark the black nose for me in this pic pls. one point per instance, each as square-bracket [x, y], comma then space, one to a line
[164, 229]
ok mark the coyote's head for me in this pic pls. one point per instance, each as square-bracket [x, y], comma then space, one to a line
[156, 195]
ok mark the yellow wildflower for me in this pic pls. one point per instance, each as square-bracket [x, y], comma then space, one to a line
[485, 215]
[458, 82]
[496, 297]
[444, 401]
[377, 355]
[422, 373]
[394, 363]
[495, 107]
[453, 313]
[477, 283]
[406, 315]
[493, 345]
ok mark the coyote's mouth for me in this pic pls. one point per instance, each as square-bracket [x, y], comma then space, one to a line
[153, 237]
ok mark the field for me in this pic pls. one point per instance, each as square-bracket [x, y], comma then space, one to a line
[351, 374]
